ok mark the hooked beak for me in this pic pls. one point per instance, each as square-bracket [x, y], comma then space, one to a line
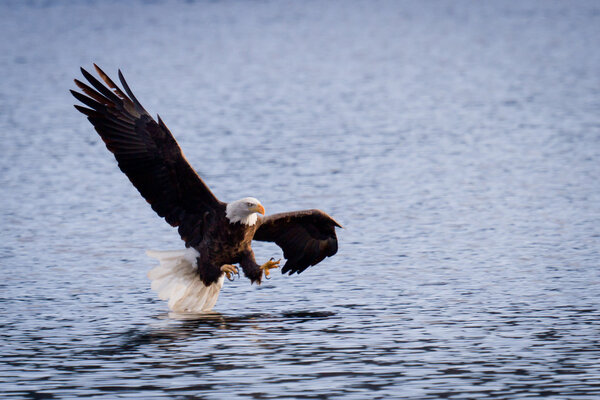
[258, 209]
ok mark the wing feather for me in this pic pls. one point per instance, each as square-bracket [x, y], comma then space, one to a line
[306, 237]
[130, 93]
[86, 111]
[100, 87]
[148, 154]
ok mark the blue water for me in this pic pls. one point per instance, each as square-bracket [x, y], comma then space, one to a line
[457, 142]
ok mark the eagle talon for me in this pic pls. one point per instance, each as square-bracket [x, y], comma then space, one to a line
[229, 271]
[266, 267]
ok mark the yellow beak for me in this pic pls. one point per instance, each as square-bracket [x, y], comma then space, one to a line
[258, 209]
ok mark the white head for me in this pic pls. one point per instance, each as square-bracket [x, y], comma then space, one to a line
[244, 211]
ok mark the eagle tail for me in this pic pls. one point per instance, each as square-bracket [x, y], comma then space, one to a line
[177, 279]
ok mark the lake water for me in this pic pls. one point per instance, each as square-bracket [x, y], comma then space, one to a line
[457, 142]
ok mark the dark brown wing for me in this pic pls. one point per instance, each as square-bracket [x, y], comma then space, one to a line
[148, 154]
[306, 237]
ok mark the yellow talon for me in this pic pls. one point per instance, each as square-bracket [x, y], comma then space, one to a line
[266, 267]
[229, 270]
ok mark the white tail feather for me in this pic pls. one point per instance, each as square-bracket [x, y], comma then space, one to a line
[176, 279]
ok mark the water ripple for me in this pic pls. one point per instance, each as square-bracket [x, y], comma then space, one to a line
[456, 142]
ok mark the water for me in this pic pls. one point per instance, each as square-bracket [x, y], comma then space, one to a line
[458, 144]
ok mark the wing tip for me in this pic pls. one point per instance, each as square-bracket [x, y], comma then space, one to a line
[327, 216]
[79, 84]
[98, 69]
[86, 111]
[85, 73]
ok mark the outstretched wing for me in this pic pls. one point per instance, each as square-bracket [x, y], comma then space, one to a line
[148, 154]
[306, 237]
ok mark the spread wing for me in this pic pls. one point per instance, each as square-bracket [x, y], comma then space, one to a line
[306, 237]
[148, 154]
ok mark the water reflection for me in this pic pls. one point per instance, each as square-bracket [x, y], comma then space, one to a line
[190, 326]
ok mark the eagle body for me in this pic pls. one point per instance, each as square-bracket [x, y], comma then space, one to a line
[227, 243]
[216, 234]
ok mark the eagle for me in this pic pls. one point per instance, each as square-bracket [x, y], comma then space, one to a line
[217, 235]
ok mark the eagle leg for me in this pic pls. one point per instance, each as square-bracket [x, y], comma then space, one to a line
[268, 266]
[229, 270]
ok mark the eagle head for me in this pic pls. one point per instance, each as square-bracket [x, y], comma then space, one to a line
[244, 211]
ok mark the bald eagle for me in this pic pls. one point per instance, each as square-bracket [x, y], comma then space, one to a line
[217, 235]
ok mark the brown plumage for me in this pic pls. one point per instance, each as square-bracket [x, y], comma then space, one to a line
[148, 154]
[306, 237]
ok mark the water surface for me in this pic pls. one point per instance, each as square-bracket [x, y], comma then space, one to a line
[458, 143]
